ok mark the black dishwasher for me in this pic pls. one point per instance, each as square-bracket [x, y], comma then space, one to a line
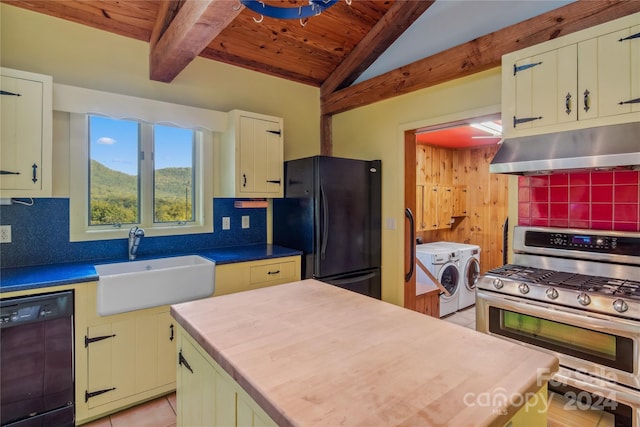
[36, 360]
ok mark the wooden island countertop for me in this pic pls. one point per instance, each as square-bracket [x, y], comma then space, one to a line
[312, 354]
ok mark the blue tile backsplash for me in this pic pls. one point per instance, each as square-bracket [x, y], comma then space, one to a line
[40, 235]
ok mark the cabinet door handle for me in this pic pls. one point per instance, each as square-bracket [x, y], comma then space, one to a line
[274, 181]
[586, 100]
[88, 395]
[517, 121]
[183, 361]
[9, 173]
[274, 272]
[171, 332]
[631, 101]
[567, 104]
[633, 36]
[524, 67]
[35, 173]
[277, 132]
[88, 340]
[244, 180]
[6, 92]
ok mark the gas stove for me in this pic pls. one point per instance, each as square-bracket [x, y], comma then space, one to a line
[574, 294]
[584, 269]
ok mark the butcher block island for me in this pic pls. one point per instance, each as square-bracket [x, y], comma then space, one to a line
[311, 354]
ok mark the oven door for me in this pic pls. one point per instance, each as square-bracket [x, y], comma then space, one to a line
[577, 399]
[593, 343]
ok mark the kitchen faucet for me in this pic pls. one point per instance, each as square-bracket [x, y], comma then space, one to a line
[135, 236]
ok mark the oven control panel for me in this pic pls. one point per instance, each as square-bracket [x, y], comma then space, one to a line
[587, 242]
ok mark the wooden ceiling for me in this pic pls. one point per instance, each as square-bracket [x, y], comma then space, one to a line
[330, 52]
[226, 31]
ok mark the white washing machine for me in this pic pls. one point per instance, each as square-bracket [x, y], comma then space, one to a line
[470, 272]
[443, 262]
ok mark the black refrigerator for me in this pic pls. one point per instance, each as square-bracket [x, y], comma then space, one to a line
[332, 213]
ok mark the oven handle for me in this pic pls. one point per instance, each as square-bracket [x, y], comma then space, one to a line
[588, 320]
[611, 390]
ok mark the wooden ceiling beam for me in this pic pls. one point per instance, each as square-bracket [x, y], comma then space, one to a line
[166, 12]
[477, 55]
[397, 19]
[196, 23]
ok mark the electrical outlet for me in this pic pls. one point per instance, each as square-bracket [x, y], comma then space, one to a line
[226, 223]
[5, 234]
[245, 221]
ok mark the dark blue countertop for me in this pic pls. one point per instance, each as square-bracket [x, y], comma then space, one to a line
[43, 276]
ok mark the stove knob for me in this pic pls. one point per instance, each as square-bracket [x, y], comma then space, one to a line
[584, 299]
[497, 283]
[524, 288]
[620, 306]
[552, 293]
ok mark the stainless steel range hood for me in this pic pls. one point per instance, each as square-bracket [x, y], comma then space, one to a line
[600, 147]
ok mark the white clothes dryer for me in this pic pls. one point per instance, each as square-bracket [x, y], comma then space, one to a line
[444, 263]
[470, 272]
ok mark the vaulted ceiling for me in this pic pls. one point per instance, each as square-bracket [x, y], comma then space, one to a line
[330, 51]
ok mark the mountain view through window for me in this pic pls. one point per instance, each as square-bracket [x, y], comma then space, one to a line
[118, 173]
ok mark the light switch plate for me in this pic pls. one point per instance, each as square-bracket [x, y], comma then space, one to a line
[5, 234]
[226, 223]
[245, 221]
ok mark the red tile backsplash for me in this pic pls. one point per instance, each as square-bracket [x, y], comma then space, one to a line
[602, 200]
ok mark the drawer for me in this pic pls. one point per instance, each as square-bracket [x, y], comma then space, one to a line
[272, 272]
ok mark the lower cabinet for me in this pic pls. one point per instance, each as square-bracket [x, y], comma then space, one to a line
[243, 276]
[207, 396]
[125, 359]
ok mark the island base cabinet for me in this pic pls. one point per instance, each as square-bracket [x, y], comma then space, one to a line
[207, 396]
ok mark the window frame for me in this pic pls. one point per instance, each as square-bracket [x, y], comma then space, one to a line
[79, 228]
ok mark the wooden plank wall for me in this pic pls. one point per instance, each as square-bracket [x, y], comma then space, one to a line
[487, 197]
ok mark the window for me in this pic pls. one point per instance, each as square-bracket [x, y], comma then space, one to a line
[127, 172]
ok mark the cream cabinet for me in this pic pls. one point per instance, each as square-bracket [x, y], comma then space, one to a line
[435, 207]
[127, 358]
[25, 134]
[250, 157]
[243, 276]
[586, 79]
[207, 396]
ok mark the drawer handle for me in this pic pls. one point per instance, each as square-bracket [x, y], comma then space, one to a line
[274, 272]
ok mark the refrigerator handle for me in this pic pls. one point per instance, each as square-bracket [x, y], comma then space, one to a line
[325, 223]
[353, 279]
[412, 229]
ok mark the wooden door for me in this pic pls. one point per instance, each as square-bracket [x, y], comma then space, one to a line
[409, 229]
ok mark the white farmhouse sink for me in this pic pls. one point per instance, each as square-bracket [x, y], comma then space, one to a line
[134, 285]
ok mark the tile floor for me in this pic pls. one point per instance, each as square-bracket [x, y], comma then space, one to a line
[465, 317]
[160, 412]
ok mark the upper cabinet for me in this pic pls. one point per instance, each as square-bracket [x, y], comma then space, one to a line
[25, 134]
[586, 79]
[250, 157]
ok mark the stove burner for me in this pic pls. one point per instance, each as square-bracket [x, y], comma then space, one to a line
[561, 279]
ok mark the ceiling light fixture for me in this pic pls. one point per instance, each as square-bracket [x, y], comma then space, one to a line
[314, 8]
[494, 129]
